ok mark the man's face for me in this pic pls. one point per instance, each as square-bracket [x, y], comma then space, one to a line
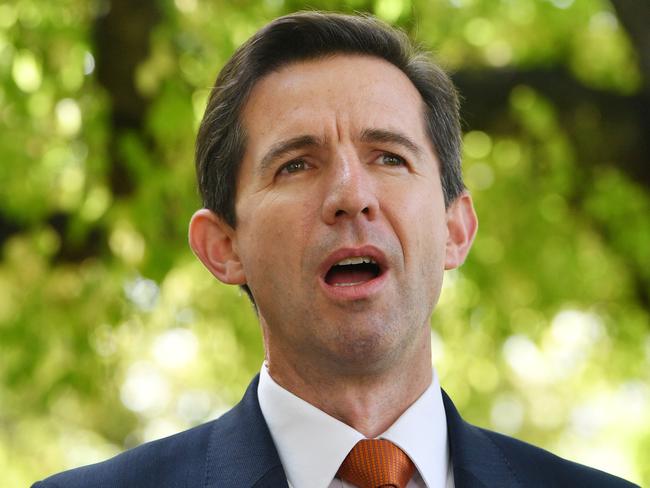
[342, 229]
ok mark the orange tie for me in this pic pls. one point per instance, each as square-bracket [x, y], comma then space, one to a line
[375, 463]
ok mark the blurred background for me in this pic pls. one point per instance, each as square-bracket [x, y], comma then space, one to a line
[112, 333]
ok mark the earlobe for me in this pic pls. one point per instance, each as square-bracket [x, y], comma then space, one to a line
[211, 239]
[462, 225]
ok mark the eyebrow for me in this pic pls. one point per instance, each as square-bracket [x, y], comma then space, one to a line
[281, 148]
[391, 137]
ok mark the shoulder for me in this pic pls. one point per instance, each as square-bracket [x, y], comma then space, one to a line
[534, 466]
[484, 458]
[234, 450]
[175, 461]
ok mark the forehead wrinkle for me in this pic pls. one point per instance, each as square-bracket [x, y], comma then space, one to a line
[341, 125]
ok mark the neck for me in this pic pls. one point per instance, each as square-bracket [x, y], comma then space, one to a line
[369, 401]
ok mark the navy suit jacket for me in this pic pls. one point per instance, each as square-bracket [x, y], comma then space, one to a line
[237, 451]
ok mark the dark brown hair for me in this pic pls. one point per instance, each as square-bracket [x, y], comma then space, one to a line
[310, 35]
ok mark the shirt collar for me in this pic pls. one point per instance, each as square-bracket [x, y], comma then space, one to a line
[421, 432]
[312, 444]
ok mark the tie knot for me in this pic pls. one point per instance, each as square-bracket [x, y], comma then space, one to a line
[374, 463]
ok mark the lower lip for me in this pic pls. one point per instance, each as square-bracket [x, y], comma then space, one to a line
[355, 292]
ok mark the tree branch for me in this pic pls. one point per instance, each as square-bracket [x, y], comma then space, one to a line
[634, 15]
[623, 122]
[122, 43]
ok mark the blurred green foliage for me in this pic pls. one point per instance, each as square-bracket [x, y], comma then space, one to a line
[111, 333]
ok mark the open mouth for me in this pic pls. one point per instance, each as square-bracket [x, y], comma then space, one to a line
[353, 271]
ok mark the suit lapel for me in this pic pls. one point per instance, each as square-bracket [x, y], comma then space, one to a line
[241, 453]
[477, 461]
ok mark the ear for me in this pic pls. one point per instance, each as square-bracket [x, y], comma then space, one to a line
[462, 224]
[211, 240]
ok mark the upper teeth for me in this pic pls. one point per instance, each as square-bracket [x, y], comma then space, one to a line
[355, 260]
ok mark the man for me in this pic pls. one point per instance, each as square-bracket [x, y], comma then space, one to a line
[329, 164]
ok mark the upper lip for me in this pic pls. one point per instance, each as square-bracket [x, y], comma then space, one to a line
[347, 252]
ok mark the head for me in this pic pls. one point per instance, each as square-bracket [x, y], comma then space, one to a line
[303, 36]
[372, 126]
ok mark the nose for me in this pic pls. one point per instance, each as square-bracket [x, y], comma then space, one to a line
[350, 192]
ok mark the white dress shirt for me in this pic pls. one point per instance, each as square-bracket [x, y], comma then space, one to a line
[312, 444]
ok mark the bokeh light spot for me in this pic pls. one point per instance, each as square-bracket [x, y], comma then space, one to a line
[390, 10]
[573, 328]
[603, 21]
[562, 4]
[96, 203]
[26, 71]
[507, 414]
[477, 144]
[479, 31]
[8, 16]
[70, 183]
[145, 390]
[507, 153]
[186, 6]
[498, 53]
[127, 243]
[68, 117]
[142, 292]
[159, 428]
[525, 359]
[479, 176]
[89, 63]
[175, 348]
[194, 405]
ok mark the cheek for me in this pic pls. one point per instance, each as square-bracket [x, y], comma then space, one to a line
[273, 236]
[420, 224]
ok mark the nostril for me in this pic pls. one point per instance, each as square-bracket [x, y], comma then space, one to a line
[339, 212]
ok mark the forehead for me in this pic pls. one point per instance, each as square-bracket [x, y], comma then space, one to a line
[337, 96]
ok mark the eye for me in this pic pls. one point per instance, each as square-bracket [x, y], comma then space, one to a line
[390, 159]
[293, 166]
